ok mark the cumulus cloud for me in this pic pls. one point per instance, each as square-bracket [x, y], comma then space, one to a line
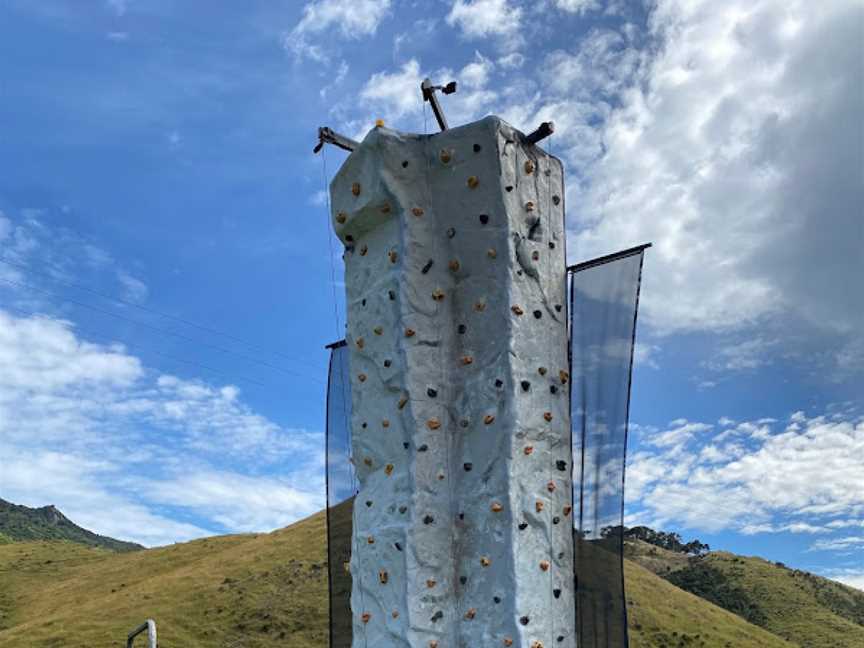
[577, 6]
[351, 19]
[807, 477]
[119, 442]
[484, 18]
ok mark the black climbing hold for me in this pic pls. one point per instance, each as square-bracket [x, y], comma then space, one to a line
[538, 314]
[525, 385]
[560, 555]
[461, 516]
[451, 232]
[363, 425]
[468, 466]
[508, 188]
[363, 302]
[349, 238]
[556, 593]
[553, 389]
[484, 218]
[368, 503]
[406, 445]
[423, 448]
[556, 199]
[557, 308]
[463, 423]
[519, 272]
[398, 546]
[404, 164]
[387, 364]
[477, 148]
[428, 519]
[427, 266]
[391, 294]
[523, 526]
[437, 616]
[463, 579]
[556, 520]
[499, 383]
[524, 620]
[561, 464]
[431, 393]
[403, 509]
[462, 328]
[551, 245]
[497, 599]
[560, 638]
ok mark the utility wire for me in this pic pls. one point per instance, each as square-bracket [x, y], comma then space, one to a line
[153, 311]
[222, 349]
[134, 345]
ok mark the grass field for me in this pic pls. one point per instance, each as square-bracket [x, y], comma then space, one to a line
[270, 590]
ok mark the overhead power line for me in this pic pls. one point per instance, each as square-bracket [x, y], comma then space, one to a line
[153, 311]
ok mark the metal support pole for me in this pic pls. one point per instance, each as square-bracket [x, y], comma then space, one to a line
[150, 627]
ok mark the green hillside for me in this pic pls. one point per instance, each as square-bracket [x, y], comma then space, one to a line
[47, 523]
[262, 590]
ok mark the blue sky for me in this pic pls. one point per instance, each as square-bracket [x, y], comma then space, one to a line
[159, 153]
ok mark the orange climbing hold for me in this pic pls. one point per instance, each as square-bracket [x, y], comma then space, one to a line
[417, 211]
[341, 217]
[383, 577]
[547, 416]
[529, 206]
[564, 376]
[485, 562]
[431, 582]
[365, 617]
[393, 256]
[496, 507]
[567, 510]
[360, 342]
[541, 371]
[395, 614]
[516, 310]
[470, 614]
[528, 450]
[467, 360]
[550, 486]
[355, 188]
[409, 332]
[370, 540]
[433, 424]
[480, 306]
[508, 641]
[538, 506]
[453, 265]
[445, 156]
[403, 402]
[529, 167]
[489, 419]
[388, 469]
[544, 565]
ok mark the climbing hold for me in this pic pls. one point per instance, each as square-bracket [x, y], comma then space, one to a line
[508, 188]
[547, 416]
[432, 642]
[347, 567]
[341, 217]
[464, 423]
[364, 249]
[468, 466]
[523, 526]
[403, 401]
[431, 582]
[529, 206]
[409, 332]
[370, 540]
[556, 593]
[385, 423]
[497, 599]
[556, 520]
[451, 232]
[445, 156]
[471, 613]
[567, 510]
[365, 617]
[528, 450]
[361, 377]
[453, 265]
[538, 314]
[436, 617]
[360, 342]
[395, 614]
[364, 425]
[499, 383]
[484, 219]
[491, 253]
[525, 385]
[438, 294]
[489, 419]
[564, 376]
[355, 188]
[508, 641]
[349, 238]
[550, 486]
[496, 507]
[431, 393]
[538, 506]
[433, 423]
[536, 644]
[558, 308]
[480, 306]
[440, 476]
[427, 267]
[544, 565]
[524, 620]
[553, 389]
[428, 519]
[477, 148]
[535, 255]
[516, 310]
[556, 199]
[541, 371]
[473, 181]
[367, 461]
[485, 562]
[423, 448]
[387, 364]
[385, 208]
[388, 469]
[391, 294]
[369, 503]
[551, 245]
[383, 577]
[417, 211]
[378, 330]
[529, 167]
[561, 464]
[461, 329]
[467, 360]
[393, 256]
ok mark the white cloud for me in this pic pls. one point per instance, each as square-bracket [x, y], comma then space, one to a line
[839, 544]
[851, 577]
[353, 19]
[805, 478]
[134, 289]
[577, 6]
[483, 18]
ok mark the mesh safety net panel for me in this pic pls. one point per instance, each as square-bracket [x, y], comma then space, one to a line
[604, 297]
[341, 490]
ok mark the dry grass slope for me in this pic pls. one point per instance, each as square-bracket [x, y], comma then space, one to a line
[252, 591]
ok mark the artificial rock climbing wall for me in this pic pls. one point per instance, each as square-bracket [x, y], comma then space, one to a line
[455, 279]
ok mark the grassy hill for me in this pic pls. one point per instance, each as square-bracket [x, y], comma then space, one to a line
[47, 523]
[250, 591]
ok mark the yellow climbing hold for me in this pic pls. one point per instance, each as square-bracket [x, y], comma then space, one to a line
[438, 294]
[379, 122]
[383, 577]
[529, 166]
[473, 181]
[444, 156]
[480, 306]
[341, 217]
[388, 469]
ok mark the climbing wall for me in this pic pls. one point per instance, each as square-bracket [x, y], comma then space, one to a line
[455, 280]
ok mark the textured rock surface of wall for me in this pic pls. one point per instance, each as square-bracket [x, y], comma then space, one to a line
[455, 279]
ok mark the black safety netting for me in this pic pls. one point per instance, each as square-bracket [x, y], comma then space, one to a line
[604, 297]
[341, 490]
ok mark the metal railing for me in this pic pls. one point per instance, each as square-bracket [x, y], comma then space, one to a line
[150, 627]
